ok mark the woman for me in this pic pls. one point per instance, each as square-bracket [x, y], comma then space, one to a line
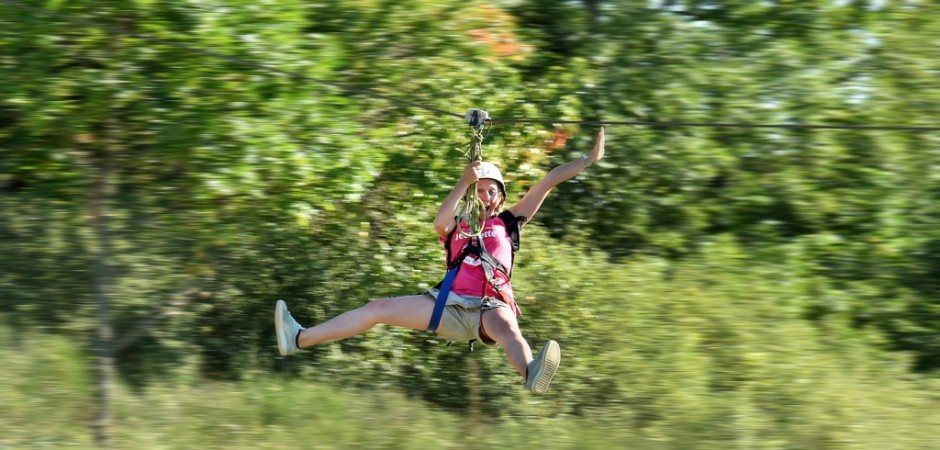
[480, 304]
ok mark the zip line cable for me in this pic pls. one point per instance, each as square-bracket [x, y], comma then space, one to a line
[723, 125]
[372, 93]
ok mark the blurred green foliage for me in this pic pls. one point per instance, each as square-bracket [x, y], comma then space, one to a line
[763, 287]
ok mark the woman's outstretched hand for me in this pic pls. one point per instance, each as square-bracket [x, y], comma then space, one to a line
[598, 151]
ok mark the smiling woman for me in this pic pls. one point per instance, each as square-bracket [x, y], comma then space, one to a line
[476, 300]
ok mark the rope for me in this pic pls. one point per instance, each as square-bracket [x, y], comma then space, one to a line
[474, 211]
[371, 93]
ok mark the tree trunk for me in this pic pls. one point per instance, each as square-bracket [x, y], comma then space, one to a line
[104, 364]
[594, 11]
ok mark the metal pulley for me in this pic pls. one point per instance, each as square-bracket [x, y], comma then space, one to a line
[477, 117]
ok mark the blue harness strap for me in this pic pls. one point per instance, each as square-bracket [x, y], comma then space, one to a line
[442, 298]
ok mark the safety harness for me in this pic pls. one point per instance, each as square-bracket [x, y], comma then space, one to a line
[490, 264]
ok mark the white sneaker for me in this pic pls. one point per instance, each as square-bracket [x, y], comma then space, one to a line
[286, 328]
[540, 371]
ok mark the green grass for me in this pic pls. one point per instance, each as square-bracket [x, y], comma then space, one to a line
[46, 398]
[48, 403]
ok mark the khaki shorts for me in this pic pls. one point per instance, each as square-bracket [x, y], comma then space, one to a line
[460, 320]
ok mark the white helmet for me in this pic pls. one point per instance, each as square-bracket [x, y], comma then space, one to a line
[488, 170]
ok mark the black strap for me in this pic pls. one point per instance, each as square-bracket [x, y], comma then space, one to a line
[513, 227]
[490, 264]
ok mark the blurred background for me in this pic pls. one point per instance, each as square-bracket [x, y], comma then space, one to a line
[711, 287]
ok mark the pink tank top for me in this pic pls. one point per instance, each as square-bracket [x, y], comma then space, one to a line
[471, 278]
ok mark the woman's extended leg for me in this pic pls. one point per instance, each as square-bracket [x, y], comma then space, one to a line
[501, 325]
[412, 311]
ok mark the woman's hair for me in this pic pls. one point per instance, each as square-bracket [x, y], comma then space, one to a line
[499, 205]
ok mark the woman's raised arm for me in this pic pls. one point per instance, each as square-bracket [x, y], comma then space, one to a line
[532, 200]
